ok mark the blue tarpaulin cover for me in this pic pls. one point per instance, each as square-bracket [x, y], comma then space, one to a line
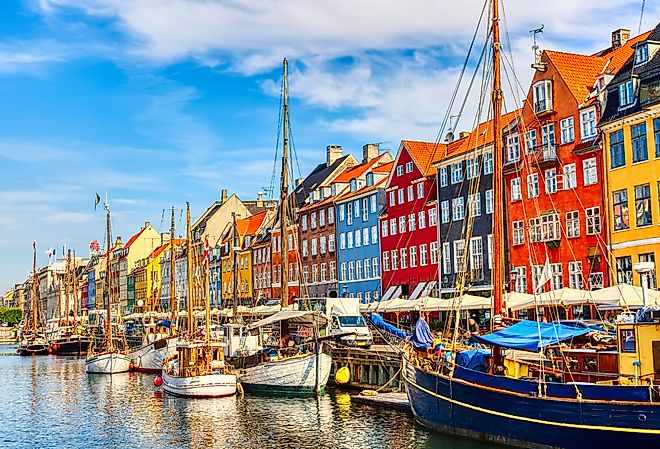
[165, 323]
[422, 338]
[476, 359]
[378, 321]
[525, 335]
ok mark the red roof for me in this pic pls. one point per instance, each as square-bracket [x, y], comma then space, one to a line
[385, 168]
[134, 238]
[155, 253]
[618, 57]
[424, 153]
[358, 170]
[365, 189]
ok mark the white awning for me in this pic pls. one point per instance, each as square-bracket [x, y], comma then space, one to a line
[392, 293]
[428, 288]
[416, 293]
[305, 317]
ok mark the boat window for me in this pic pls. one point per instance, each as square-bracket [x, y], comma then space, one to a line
[627, 337]
[352, 321]
[590, 364]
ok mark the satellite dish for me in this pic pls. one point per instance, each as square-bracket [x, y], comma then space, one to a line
[140, 303]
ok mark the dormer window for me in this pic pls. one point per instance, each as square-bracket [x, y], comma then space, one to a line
[370, 179]
[626, 93]
[641, 53]
[542, 96]
[353, 185]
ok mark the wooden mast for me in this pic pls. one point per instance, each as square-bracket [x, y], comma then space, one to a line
[108, 259]
[189, 272]
[284, 192]
[207, 290]
[172, 270]
[34, 287]
[67, 286]
[74, 277]
[234, 267]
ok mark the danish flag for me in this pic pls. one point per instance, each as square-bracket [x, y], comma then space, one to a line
[205, 260]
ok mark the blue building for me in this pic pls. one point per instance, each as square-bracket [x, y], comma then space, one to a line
[215, 272]
[91, 288]
[358, 237]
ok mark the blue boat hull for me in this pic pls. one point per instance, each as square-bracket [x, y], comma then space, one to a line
[476, 411]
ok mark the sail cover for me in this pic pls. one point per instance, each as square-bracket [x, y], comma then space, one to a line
[531, 335]
[421, 337]
[378, 321]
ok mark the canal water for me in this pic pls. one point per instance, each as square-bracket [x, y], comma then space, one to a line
[50, 402]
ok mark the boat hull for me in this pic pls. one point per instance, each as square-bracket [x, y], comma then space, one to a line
[292, 376]
[484, 413]
[76, 345]
[149, 358]
[111, 362]
[34, 346]
[205, 386]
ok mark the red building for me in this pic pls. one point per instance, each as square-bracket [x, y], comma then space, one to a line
[553, 174]
[262, 268]
[408, 228]
[293, 264]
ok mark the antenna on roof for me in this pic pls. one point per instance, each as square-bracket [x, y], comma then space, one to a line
[538, 65]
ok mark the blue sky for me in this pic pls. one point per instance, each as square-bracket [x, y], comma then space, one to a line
[162, 102]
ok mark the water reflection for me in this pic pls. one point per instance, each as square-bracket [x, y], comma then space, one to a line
[51, 402]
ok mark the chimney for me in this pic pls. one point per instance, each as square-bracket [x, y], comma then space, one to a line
[146, 224]
[449, 137]
[223, 196]
[369, 151]
[620, 37]
[333, 152]
[118, 242]
[260, 201]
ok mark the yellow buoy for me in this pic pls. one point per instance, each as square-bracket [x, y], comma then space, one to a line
[343, 375]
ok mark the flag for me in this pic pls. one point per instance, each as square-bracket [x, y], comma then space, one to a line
[97, 200]
[545, 276]
[205, 260]
[50, 253]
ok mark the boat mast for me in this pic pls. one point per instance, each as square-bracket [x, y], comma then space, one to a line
[234, 267]
[207, 290]
[172, 269]
[67, 286]
[189, 271]
[108, 258]
[34, 287]
[284, 192]
[498, 187]
[74, 278]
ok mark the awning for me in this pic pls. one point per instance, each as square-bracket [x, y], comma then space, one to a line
[531, 335]
[304, 317]
[428, 288]
[393, 291]
[417, 291]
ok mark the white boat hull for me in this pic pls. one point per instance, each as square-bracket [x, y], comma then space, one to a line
[206, 386]
[295, 375]
[108, 363]
[149, 358]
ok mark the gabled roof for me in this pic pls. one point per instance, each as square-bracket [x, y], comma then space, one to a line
[358, 170]
[366, 189]
[134, 238]
[251, 225]
[424, 153]
[579, 72]
[158, 251]
[618, 57]
[317, 177]
[384, 168]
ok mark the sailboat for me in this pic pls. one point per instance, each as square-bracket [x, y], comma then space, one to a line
[156, 347]
[297, 364]
[32, 341]
[198, 367]
[110, 356]
[71, 339]
[493, 404]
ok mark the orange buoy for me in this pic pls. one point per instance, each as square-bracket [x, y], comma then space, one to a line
[158, 381]
[131, 366]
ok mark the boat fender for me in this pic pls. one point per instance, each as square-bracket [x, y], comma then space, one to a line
[131, 366]
[158, 381]
[343, 375]
[239, 389]
[368, 393]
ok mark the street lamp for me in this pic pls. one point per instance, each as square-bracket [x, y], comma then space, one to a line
[643, 269]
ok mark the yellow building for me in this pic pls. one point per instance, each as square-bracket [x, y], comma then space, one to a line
[630, 126]
[147, 278]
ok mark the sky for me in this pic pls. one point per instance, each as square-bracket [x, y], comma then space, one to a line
[159, 102]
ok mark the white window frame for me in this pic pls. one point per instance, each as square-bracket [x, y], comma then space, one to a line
[533, 185]
[590, 171]
[542, 96]
[567, 127]
[572, 224]
[588, 123]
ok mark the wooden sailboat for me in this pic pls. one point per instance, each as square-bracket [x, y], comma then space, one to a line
[157, 346]
[198, 367]
[495, 405]
[110, 356]
[33, 342]
[289, 368]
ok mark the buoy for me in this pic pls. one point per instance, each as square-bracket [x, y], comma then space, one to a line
[343, 375]
[49, 350]
[131, 366]
[158, 381]
[56, 347]
[18, 351]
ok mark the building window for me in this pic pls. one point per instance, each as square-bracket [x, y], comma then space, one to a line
[533, 185]
[413, 256]
[643, 214]
[617, 151]
[365, 236]
[474, 204]
[513, 147]
[322, 217]
[402, 224]
[518, 232]
[593, 220]
[573, 224]
[433, 249]
[550, 228]
[399, 170]
[656, 134]
[570, 176]
[349, 240]
[420, 190]
[304, 248]
[457, 209]
[331, 243]
[358, 238]
[333, 271]
[349, 213]
[372, 204]
[459, 256]
[588, 123]
[365, 209]
[490, 251]
[303, 221]
[638, 139]
[567, 130]
[357, 208]
[322, 244]
[650, 277]
[444, 212]
[575, 274]
[374, 267]
[374, 234]
[488, 162]
[383, 228]
[589, 171]
[386, 261]
[521, 279]
[542, 92]
[324, 272]
[358, 270]
[412, 219]
[624, 270]
[548, 138]
[443, 176]
[626, 93]
[557, 276]
[331, 215]
[456, 172]
[477, 258]
[423, 256]
[446, 258]
[551, 180]
[516, 194]
[393, 226]
[620, 210]
[312, 217]
[366, 269]
[433, 216]
[392, 198]
[421, 218]
[641, 53]
[411, 193]
[314, 247]
[351, 271]
[489, 201]
[400, 195]
[395, 259]
[409, 167]
[530, 141]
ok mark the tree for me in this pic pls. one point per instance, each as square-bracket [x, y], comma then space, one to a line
[10, 315]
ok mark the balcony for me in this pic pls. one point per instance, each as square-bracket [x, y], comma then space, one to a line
[543, 107]
[544, 155]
